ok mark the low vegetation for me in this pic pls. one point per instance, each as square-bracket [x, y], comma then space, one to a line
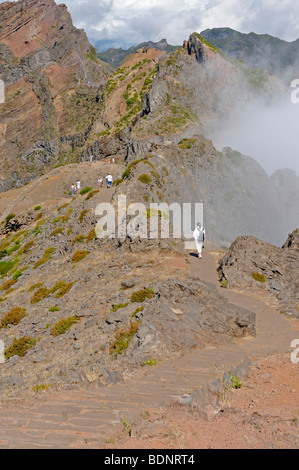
[259, 277]
[63, 325]
[122, 339]
[141, 295]
[13, 317]
[19, 347]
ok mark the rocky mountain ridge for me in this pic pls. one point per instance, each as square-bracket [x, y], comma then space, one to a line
[261, 51]
[115, 57]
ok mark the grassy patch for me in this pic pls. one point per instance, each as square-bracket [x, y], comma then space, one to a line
[141, 295]
[144, 178]
[85, 190]
[8, 284]
[122, 339]
[118, 306]
[91, 236]
[54, 309]
[13, 317]
[91, 194]
[186, 143]
[79, 239]
[79, 256]
[259, 277]
[63, 325]
[19, 347]
[57, 231]
[82, 215]
[150, 362]
[46, 257]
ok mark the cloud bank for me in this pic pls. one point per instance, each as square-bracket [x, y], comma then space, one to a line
[123, 23]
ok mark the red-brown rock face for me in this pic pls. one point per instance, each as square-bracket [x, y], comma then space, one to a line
[52, 78]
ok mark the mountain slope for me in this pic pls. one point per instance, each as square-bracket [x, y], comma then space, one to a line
[53, 83]
[261, 51]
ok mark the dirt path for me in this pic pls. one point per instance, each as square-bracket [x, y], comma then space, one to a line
[85, 418]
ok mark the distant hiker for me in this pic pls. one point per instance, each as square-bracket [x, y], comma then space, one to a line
[199, 236]
[78, 185]
[91, 158]
[73, 189]
[113, 161]
[100, 181]
[108, 161]
[109, 180]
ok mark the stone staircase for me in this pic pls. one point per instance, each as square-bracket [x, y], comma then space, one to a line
[86, 418]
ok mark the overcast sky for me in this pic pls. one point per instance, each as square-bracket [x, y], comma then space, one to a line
[130, 22]
[123, 23]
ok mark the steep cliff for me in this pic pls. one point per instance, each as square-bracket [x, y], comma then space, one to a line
[53, 82]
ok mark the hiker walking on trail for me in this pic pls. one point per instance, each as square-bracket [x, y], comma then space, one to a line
[78, 185]
[109, 180]
[199, 236]
[100, 181]
[73, 189]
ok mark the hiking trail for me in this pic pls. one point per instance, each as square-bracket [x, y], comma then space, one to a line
[85, 418]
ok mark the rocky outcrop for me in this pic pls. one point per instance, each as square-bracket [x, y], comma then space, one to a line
[81, 301]
[238, 196]
[251, 263]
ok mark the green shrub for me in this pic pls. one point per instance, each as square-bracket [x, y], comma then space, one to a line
[13, 317]
[16, 275]
[117, 182]
[122, 339]
[259, 277]
[82, 215]
[63, 325]
[27, 248]
[91, 194]
[37, 208]
[35, 286]
[235, 381]
[79, 256]
[6, 266]
[118, 306]
[57, 231]
[19, 347]
[79, 239]
[41, 294]
[85, 190]
[141, 295]
[150, 362]
[91, 236]
[8, 284]
[61, 288]
[54, 309]
[144, 178]
[46, 257]
[9, 217]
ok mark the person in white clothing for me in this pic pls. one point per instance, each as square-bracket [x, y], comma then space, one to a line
[109, 180]
[199, 236]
